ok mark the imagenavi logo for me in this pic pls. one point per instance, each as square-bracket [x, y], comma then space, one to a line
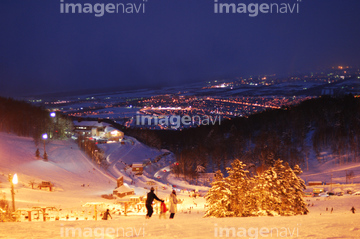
[100, 9]
[254, 9]
[177, 121]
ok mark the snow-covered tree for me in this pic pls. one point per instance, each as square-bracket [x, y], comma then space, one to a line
[296, 189]
[297, 170]
[283, 206]
[264, 197]
[218, 197]
[290, 188]
[276, 191]
[239, 188]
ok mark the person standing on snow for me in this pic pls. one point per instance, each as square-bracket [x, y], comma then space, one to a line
[149, 200]
[163, 210]
[106, 215]
[173, 201]
[353, 210]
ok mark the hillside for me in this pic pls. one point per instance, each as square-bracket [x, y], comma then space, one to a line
[68, 168]
[311, 130]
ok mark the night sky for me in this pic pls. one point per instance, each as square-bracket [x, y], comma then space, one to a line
[172, 43]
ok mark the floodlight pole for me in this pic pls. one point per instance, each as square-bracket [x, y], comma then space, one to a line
[45, 136]
[13, 196]
[11, 177]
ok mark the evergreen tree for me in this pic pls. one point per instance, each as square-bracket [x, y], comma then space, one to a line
[297, 170]
[239, 188]
[265, 197]
[297, 186]
[283, 207]
[290, 189]
[37, 153]
[218, 197]
[276, 191]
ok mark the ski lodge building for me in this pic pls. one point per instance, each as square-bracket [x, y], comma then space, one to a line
[122, 189]
[97, 131]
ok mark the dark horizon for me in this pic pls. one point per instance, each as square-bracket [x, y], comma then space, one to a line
[170, 44]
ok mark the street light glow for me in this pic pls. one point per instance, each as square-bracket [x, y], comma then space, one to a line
[44, 136]
[15, 179]
[52, 114]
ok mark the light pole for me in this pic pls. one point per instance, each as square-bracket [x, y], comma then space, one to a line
[13, 180]
[45, 136]
[54, 131]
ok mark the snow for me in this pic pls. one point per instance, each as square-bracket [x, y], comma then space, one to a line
[114, 112]
[339, 224]
[90, 123]
[330, 172]
[68, 168]
[124, 189]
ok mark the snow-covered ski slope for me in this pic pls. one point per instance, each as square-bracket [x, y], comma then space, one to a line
[331, 172]
[68, 168]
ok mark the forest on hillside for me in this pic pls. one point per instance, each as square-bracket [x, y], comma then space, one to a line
[24, 119]
[290, 134]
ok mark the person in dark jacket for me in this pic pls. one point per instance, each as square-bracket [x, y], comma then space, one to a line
[149, 200]
[353, 210]
[106, 215]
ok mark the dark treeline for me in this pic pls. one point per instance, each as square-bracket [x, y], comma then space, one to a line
[290, 134]
[22, 118]
[25, 119]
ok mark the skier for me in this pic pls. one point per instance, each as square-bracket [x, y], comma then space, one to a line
[173, 202]
[149, 200]
[106, 215]
[353, 210]
[332, 209]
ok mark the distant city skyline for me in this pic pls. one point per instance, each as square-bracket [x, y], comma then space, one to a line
[167, 43]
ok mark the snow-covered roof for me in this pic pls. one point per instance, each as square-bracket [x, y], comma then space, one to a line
[137, 164]
[123, 189]
[109, 129]
[90, 123]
